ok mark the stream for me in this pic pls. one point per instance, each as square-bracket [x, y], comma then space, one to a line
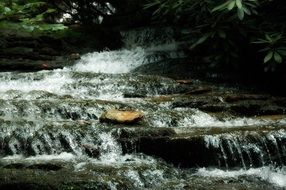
[194, 134]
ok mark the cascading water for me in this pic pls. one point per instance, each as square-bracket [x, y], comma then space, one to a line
[50, 120]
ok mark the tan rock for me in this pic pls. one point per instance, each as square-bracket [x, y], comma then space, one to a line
[184, 81]
[120, 116]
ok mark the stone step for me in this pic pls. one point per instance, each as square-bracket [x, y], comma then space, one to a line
[122, 178]
[245, 146]
[241, 147]
[51, 107]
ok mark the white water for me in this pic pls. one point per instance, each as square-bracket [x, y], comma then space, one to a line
[276, 176]
[52, 82]
[61, 82]
[202, 119]
[114, 62]
[64, 156]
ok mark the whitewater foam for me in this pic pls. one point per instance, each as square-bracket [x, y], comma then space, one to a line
[276, 176]
[114, 62]
[202, 119]
[64, 156]
[51, 82]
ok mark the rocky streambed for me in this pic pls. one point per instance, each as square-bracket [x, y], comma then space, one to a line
[52, 136]
[103, 123]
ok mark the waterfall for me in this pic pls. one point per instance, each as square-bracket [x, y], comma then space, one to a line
[248, 150]
[49, 121]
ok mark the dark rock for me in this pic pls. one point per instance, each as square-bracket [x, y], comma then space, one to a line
[192, 102]
[199, 90]
[46, 166]
[74, 56]
[21, 64]
[209, 147]
[14, 166]
[49, 51]
[245, 105]
[239, 97]
[18, 51]
[91, 150]
[134, 95]
[138, 132]
[45, 180]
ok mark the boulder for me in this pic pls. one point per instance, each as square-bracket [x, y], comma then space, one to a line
[121, 116]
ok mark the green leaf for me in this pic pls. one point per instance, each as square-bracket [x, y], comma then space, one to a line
[28, 27]
[238, 4]
[222, 34]
[200, 41]
[260, 41]
[265, 49]
[240, 14]
[51, 10]
[231, 5]
[149, 5]
[221, 7]
[34, 5]
[282, 52]
[246, 10]
[267, 36]
[7, 9]
[277, 57]
[268, 56]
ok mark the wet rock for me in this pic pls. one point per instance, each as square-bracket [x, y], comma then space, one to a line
[212, 147]
[244, 105]
[196, 102]
[46, 166]
[239, 97]
[137, 94]
[14, 166]
[91, 150]
[161, 99]
[126, 133]
[31, 179]
[184, 81]
[281, 101]
[121, 116]
[30, 63]
[253, 107]
[18, 51]
[48, 51]
[272, 117]
[74, 56]
[199, 90]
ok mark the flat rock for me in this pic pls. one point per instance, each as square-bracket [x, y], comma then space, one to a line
[121, 116]
[240, 97]
[184, 81]
[200, 90]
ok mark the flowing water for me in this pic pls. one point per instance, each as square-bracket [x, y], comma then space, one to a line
[50, 122]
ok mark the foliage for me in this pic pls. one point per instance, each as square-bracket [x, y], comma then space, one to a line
[230, 31]
[88, 12]
[275, 47]
[30, 16]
